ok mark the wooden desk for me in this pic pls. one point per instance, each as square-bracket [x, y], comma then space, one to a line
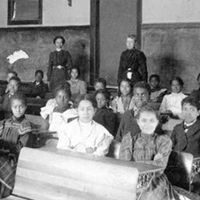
[56, 174]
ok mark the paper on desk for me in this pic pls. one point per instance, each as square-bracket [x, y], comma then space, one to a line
[17, 55]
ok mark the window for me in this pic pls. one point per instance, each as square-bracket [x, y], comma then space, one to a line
[24, 12]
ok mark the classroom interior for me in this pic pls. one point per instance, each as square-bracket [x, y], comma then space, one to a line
[167, 31]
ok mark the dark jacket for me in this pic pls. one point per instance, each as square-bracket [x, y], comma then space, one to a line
[136, 61]
[187, 141]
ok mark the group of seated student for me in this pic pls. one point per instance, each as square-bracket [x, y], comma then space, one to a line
[89, 123]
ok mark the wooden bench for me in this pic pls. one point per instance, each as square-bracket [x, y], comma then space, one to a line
[49, 174]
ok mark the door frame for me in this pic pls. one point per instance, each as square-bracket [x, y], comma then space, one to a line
[95, 40]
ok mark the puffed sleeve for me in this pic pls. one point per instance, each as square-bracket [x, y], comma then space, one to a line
[48, 108]
[164, 148]
[103, 142]
[126, 148]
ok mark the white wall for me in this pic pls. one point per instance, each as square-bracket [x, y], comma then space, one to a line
[171, 11]
[58, 13]
[55, 13]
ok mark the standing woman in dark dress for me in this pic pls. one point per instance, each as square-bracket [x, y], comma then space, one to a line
[132, 64]
[60, 62]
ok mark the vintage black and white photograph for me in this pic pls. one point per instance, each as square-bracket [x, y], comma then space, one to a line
[100, 99]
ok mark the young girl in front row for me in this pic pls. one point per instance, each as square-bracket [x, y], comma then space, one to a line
[83, 134]
[14, 134]
[148, 147]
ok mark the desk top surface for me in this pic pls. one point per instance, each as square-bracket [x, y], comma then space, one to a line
[141, 167]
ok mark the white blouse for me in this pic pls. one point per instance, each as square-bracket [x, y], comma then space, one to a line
[58, 120]
[78, 136]
[47, 110]
[172, 102]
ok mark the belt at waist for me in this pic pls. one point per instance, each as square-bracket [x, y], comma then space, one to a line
[58, 67]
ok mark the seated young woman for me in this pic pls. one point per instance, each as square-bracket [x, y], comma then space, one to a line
[157, 92]
[122, 102]
[62, 112]
[77, 86]
[84, 134]
[100, 84]
[104, 115]
[61, 94]
[10, 74]
[151, 148]
[171, 103]
[14, 135]
[38, 87]
[12, 88]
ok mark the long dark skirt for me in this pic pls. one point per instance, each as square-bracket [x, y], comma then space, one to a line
[58, 77]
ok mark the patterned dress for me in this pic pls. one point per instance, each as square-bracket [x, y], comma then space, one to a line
[14, 134]
[153, 149]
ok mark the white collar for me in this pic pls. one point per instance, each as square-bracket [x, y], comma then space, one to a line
[190, 124]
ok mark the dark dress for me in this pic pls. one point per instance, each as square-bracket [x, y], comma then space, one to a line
[38, 89]
[152, 149]
[56, 75]
[14, 134]
[107, 118]
[134, 61]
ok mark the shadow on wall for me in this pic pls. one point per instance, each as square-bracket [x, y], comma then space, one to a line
[169, 68]
[82, 60]
[173, 51]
